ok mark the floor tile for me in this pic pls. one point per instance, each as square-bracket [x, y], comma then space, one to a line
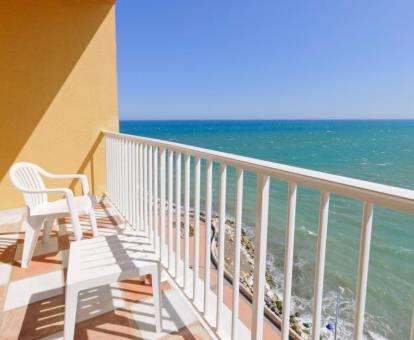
[8, 244]
[41, 318]
[51, 260]
[175, 314]
[34, 289]
[5, 271]
[115, 325]
[194, 331]
[41, 248]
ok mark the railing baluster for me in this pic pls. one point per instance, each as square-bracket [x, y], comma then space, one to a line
[150, 202]
[170, 208]
[186, 219]
[115, 169]
[196, 228]
[262, 211]
[365, 243]
[131, 183]
[122, 176]
[111, 178]
[119, 173]
[113, 172]
[124, 184]
[320, 265]
[141, 188]
[155, 206]
[126, 179]
[136, 186]
[114, 164]
[146, 189]
[162, 203]
[222, 232]
[237, 242]
[412, 327]
[209, 178]
[130, 170]
[177, 215]
[289, 244]
[108, 164]
[123, 180]
[109, 173]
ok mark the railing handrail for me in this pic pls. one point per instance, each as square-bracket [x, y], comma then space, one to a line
[391, 197]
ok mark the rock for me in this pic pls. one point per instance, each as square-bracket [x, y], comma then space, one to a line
[297, 327]
[268, 301]
[269, 293]
[279, 305]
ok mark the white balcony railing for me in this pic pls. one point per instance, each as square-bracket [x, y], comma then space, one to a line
[140, 180]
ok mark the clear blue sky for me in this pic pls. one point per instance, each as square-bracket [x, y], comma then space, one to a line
[268, 59]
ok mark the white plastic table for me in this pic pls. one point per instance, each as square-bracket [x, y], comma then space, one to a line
[105, 260]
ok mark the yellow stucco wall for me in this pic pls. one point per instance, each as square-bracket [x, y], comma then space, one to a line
[57, 88]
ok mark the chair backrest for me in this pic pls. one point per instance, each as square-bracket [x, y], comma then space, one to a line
[26, 176]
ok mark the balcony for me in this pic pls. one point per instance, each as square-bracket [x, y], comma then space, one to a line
[164, 193]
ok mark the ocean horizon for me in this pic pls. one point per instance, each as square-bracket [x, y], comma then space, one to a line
[380, 150]
[273, 120]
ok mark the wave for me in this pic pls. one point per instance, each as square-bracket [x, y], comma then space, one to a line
[403, 250]
[307, 231]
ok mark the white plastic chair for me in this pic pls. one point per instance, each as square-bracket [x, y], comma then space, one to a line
[26, 177]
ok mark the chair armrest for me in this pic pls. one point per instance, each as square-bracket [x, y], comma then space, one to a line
[83, 178]
[67, 192]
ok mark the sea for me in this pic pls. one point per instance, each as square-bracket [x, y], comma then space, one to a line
[380, 151]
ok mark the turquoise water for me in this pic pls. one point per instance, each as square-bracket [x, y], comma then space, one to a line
[378, 151]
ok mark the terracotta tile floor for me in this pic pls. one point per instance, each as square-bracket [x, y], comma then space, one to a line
[32, 299]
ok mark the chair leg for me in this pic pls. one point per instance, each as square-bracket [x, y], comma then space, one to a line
[93, 222]
[76, 225]
[32, 229]
[47, 229]
[71, 303]
[156, 292]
